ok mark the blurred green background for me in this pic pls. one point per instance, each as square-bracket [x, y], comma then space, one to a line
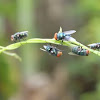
[40, 76]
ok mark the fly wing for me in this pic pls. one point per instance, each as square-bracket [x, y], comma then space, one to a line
[57, 49]
[69, 38]
[42, 49]
[21, 32]
[92, 44]
[69, 32]
[45, 46]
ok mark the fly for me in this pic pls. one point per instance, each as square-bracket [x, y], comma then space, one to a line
[52, 50]
[77, 50]
[64, 35]
[19, 36]
[94, 46]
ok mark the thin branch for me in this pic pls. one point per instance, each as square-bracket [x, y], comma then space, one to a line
[11, 54]
[53, 41]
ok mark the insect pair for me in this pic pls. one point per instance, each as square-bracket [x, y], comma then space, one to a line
[75, 50]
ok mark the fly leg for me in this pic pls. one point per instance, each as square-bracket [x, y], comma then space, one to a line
[14, 41]
[24, 39]
[62, 42]
[19, 40]
[81, 48]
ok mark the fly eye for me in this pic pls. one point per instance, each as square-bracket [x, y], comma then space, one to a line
[59, 54]
[55, 36]
[87, 52]
[12, 38]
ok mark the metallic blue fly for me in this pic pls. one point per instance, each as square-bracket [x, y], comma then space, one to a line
[52, 50]
[77, 50]
[94, 46]
[64, 35]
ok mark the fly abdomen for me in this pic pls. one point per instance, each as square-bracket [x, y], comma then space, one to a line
[98, 46]
[48, 48]
[21, 36]
[94, 47]
[80, 51]
[54, 52]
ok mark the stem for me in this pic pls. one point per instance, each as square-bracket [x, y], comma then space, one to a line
[53, 41]
[10, 54]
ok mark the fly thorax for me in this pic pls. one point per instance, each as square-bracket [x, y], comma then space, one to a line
[48, 49]
[83, 52]
[54, 52]
[60, 36]
[97, 46]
